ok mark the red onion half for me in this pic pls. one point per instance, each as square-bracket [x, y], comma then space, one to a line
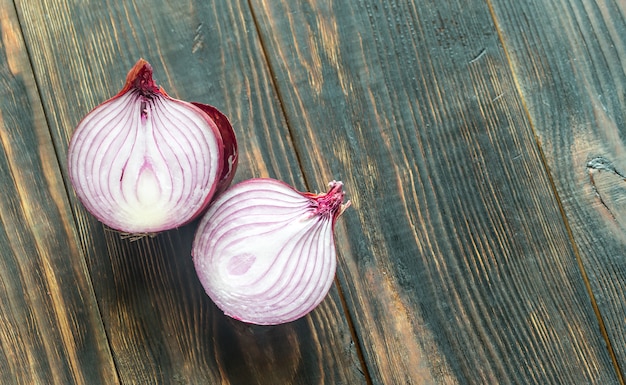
[143, 162]
[265, 252]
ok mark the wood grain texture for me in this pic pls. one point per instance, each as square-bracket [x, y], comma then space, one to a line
[574, 85]
[50, 326]
[162, 327]
[455, 260]
[481, 144]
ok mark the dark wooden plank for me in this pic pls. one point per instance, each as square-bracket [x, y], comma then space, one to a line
[570, 66]
[455, 260]
[162, 327]
[50, 327]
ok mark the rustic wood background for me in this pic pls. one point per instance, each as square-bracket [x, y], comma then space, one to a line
[482, 143]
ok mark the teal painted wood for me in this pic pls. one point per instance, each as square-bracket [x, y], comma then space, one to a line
[50, 326]
[455, 260]
[161, 325]
[570, 65]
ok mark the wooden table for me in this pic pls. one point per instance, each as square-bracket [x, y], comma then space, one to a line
[482, 144]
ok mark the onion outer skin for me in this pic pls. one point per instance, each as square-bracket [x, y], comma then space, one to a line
[265, 252]
[229, 141]
[143, 162]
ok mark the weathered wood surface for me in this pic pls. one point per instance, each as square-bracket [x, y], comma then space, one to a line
[574, 86]
[162, 328]
[467, 267]
[481, 144]
[50, 326]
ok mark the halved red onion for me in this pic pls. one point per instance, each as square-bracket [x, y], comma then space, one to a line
[265, 252]
[143, 162]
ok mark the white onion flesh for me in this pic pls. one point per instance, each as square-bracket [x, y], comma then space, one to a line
[265, 252]
[143, 162]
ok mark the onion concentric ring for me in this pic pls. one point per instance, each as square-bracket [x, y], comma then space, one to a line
[143, 162]
[265, 252]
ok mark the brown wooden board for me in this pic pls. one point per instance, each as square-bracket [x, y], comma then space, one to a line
[162, 328]
[50, 326]
[569, 61]
[481, 144]
[455, 259]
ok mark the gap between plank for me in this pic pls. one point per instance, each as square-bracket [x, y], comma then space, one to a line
[570, 234]
[299, 156]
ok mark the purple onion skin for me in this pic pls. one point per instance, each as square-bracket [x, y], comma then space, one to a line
[265, 252]
[189, 168]
[230, 157]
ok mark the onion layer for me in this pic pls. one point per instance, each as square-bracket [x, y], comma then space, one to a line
[265, 252]
[143, 162]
